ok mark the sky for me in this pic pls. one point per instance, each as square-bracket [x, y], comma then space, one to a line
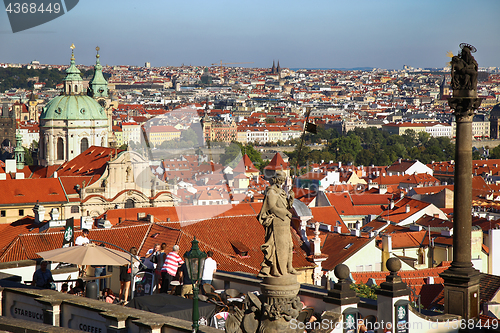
[300, 34]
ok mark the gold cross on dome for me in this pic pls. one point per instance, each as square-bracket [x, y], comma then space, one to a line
[72, 47]
[97, 49]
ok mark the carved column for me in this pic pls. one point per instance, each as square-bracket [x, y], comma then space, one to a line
[281, 303]
[461, 280]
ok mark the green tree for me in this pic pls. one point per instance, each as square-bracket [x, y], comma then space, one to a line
[362, 290]
[495, 152]
[28, 158]
[189, 135]
[235, 151]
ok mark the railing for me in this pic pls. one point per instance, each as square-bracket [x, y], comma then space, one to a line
[59, 283]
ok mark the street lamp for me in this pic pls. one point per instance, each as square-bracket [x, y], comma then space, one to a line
[195, 261]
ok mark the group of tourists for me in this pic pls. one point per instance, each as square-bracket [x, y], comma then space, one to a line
[171, 267]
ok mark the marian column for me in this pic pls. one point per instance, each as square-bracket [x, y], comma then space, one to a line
[461, 280]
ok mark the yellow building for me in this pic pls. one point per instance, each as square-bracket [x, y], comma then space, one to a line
[401, 128]
[158, 134]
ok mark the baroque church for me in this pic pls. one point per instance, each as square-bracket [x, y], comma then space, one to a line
[77, 119]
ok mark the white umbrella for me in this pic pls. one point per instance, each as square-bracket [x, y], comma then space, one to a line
[88, 254]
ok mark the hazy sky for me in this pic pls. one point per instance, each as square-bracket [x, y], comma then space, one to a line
[306, 34]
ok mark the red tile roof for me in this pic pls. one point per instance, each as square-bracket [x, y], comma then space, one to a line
[277, 163]
[92, 162]
[337, 247]
[29, 191]
[329, 215]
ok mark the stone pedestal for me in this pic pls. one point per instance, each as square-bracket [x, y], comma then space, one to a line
[390, 292]
[341, 296]
[461, 280]
[280, 303]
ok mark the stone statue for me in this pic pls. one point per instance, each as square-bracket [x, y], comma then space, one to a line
[464, 69]
[278, 303]
[248, 319]
[275, 217]
[128, 171]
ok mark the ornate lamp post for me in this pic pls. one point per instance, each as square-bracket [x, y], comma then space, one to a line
[195, 261]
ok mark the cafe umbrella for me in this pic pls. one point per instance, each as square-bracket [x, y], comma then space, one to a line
[88, 254]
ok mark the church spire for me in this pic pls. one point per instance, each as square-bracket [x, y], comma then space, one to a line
[19, 151]
[73, 84]
[98, 84]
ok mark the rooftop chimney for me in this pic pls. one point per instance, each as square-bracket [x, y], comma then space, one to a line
[317, 240]
[39, 212]
[54, 214]
[407, 208]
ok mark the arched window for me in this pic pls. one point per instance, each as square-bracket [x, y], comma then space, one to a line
[60, 149]
[129, 203]
[76, 89]
[84, 145]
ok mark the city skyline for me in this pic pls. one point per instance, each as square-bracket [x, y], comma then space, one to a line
[322, 34]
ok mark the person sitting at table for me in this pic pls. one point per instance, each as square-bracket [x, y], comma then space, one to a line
[78, 288]
[42, 277]
[109, 296]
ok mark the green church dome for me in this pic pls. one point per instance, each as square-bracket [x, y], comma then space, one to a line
[73, 107]
[73, 104]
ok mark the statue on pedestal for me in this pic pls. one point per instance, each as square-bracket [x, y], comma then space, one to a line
[278, 303]
[464, 69]
[275, 217]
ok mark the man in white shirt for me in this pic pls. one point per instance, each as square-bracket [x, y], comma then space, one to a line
[149, 255]
[209, 269]
[83, 239]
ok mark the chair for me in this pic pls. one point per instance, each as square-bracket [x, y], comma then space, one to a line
[305, 315]
[214, 298]
[208, 288]
[232, 293]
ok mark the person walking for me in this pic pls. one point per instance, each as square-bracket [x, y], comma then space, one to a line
[125, 272]
[169, 269]
[160, 257]
[209, 269]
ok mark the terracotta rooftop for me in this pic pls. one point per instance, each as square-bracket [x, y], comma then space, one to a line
[340, 247]
[277, 163]
[29, 191]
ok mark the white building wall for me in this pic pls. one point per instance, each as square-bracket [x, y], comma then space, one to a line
[494, 257]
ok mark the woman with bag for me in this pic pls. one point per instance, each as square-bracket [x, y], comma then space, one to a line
[125, 272]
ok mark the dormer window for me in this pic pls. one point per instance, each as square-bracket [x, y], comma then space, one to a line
[240, 249]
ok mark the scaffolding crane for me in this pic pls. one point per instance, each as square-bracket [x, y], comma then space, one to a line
[228, 63]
